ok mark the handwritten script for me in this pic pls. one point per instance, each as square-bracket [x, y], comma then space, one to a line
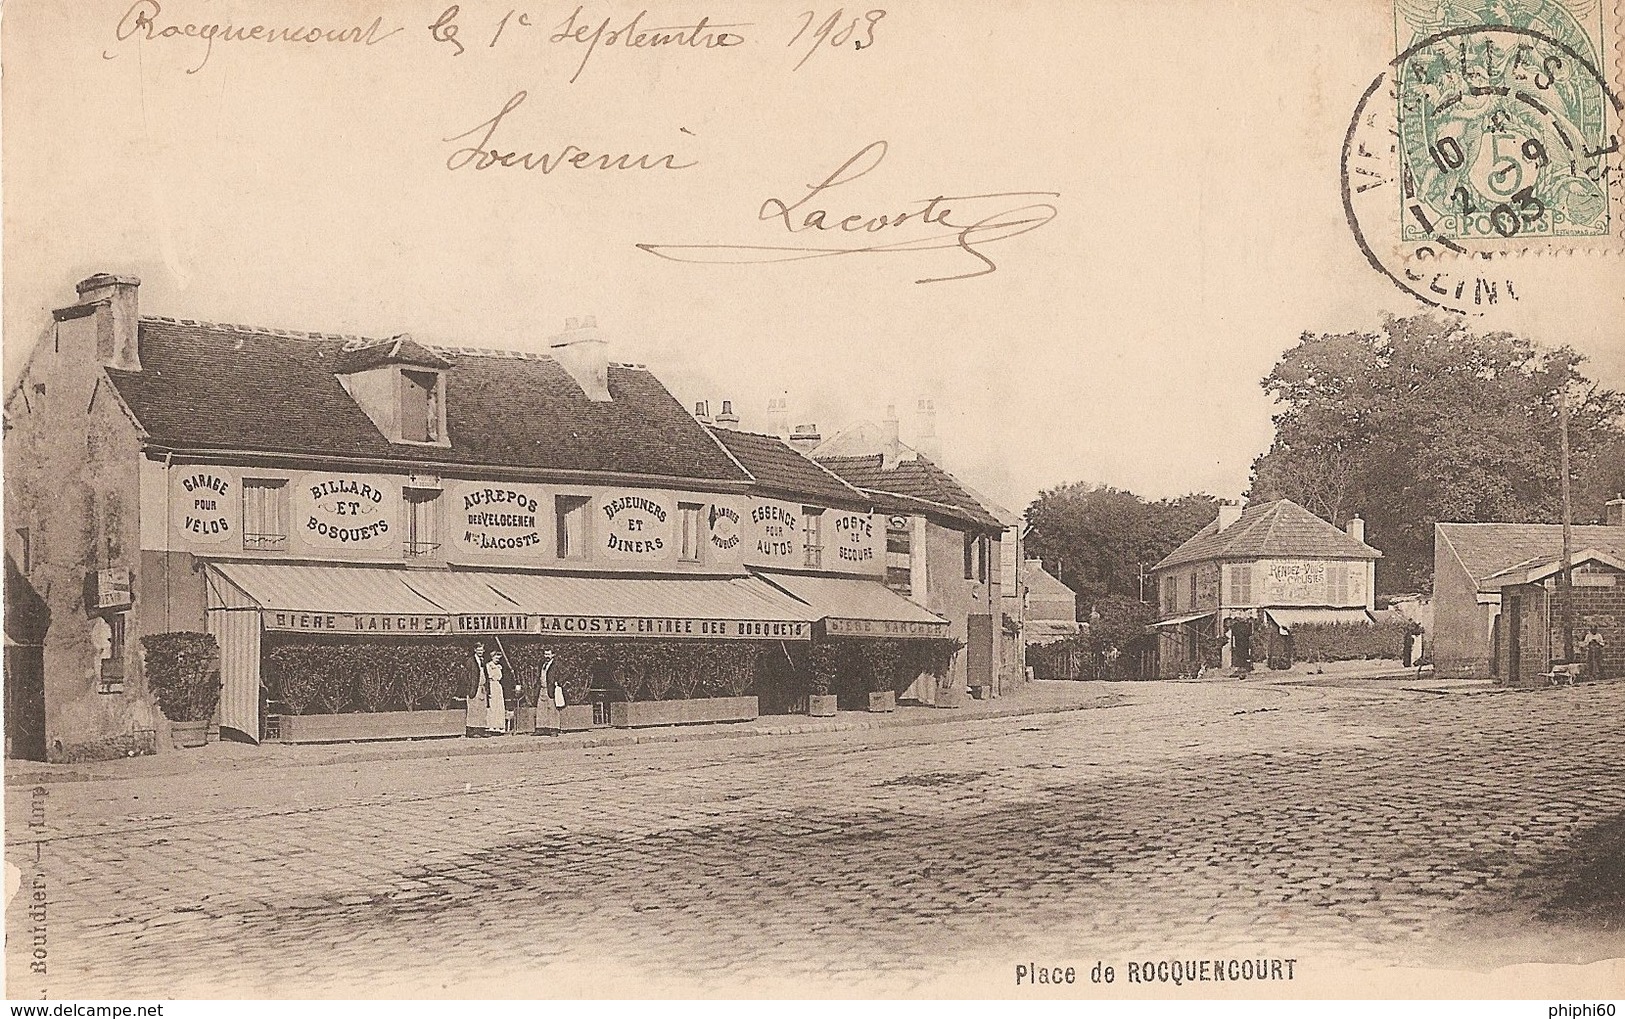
[965, 222]
[142, 22]
[483, 154]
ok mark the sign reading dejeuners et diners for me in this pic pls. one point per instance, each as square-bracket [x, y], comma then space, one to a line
[501, 519]
[636, 525]
[670, 626]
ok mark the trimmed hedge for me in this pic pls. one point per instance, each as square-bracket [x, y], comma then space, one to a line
[1344, 642]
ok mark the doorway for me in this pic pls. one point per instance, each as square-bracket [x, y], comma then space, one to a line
[1514, 632]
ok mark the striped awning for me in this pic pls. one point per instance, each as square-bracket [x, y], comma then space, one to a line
[850, 607]
[1286, 619]
[399, 601]
[1181, 620]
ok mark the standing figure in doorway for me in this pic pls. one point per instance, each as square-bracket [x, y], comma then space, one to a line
[1592, 644]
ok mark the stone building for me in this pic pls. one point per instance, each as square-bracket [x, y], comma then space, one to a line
[1529, 638]
[349, 515]
[1270, 567]
[1469, 561]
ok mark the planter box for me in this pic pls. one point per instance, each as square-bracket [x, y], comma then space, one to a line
[883, 700]
[821, 705]
[186, 735]
[572, 718]
[372, 725]
[633, 714]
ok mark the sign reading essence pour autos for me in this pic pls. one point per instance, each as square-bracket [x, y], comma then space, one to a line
[345, 511]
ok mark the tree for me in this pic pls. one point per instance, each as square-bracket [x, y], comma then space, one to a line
[1096, 538]
[1422, 421]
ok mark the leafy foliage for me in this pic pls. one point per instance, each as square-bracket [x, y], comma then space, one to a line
[182, 669]
[1422, 421]
[1343, 642]
[1095, 538]
[1122, 625]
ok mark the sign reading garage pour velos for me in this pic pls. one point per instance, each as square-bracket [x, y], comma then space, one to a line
[345, 510]
[497, 519]
[207, 505]
[637, 525]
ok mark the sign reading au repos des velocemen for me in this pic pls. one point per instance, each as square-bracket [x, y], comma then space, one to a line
[500, 519]
[343, 510]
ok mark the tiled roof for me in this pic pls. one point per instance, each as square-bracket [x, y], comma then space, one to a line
[1488, 549]
[205, 386]
[918, 485]
[780, 468]
[1280, 529]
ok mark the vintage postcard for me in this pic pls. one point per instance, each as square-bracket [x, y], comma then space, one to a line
[1113, 499]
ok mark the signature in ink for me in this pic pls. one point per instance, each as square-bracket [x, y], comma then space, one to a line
[964, 222]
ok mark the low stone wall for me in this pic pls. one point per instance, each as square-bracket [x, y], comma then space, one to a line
[635, 714]
[360, 725]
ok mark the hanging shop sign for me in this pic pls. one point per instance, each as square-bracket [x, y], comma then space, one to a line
[883, 628]
[346, 511]
[113, 589]
[775, 536]
[206, 508]
[637, 526]
[674, 627]
[500, 519]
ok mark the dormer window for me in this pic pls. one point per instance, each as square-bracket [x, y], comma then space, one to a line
[421, 406]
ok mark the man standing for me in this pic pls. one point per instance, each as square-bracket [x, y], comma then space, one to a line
[1593, 644]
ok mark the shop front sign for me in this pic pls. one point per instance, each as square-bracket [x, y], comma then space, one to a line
[499, 519]
[637, 526]
[353, 622]
[1288, 583]
[855, 540]
[113, 588]
[207, 506]
[724, 526]
[345, 511]
[775, 537]
[883, 628]
[674, 626]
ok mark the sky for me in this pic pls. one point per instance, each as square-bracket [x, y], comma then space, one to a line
[1191, 147]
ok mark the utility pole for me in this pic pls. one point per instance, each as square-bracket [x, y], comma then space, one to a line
[1565, 582]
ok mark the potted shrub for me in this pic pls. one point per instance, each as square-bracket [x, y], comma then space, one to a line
[183, 672]
[881, 658]
[820, 702]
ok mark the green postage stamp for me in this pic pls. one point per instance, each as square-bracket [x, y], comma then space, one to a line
[1508, 121]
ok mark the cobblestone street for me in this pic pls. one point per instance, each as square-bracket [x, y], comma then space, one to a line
[1361, 822]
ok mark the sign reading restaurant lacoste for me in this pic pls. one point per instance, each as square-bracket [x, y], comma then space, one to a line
[669, 626]
[500, 518]
[207, 506]
[343, 510]
[637, 525]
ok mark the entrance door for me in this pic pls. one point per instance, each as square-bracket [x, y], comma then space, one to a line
[1514, 632]
[25, 702]
[979, 649]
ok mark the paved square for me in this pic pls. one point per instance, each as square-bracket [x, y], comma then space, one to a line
[1353, 821]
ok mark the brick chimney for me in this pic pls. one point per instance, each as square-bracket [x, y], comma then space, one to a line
[702, 412]
[778, 417]
[118, 318]
[726, 418]
[1613, 512]
[580, 351]
[805, 439]
[1355, 528]
[1229, 513]
[925, 439]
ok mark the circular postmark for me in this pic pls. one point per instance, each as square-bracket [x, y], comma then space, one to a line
[1479, 143]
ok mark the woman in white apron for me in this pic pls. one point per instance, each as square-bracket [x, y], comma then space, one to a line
[496, 709]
